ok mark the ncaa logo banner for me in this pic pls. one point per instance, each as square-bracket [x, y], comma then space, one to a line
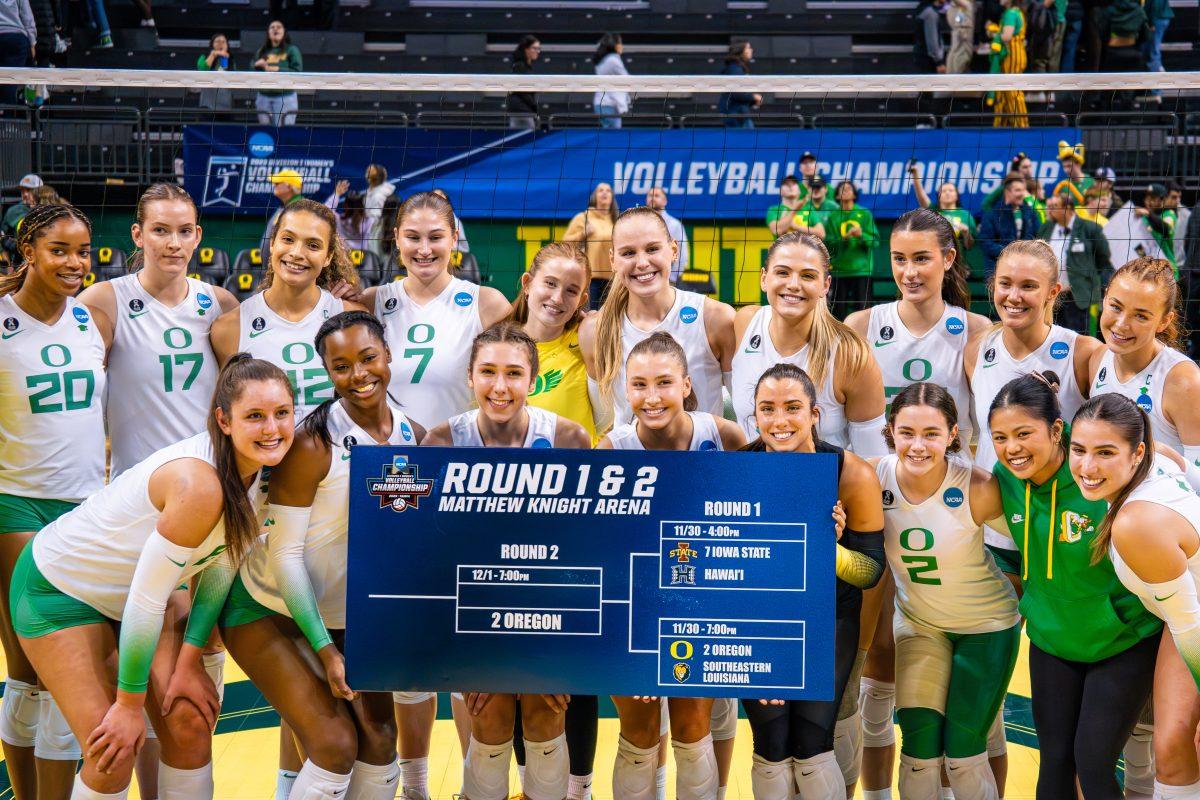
[706, 173]
[591, 572]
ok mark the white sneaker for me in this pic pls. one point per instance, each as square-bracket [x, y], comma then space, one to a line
[148, 23]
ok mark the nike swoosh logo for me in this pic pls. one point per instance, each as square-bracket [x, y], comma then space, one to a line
[138, 314]
[806, 774]
[14, 333]
[180, 564]
[885, 344]
[1098, 385]
[988, 366]
[258, 333]
[494, 755]
[1168, 597]
[572, 347]
[918, 769]
[550, 752]
[345, 456]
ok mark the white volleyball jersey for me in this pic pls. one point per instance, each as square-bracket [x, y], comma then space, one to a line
[1145, 388]
[994, 367]
[756, 354]
[705, 434]
[90, 553]
[464, 428]
[289, 345]
[945, 577]
[51, 404]
[1172, 491]
[325, 554]
[685, 322]
[431, 348]
[161, 368]
[934, 357]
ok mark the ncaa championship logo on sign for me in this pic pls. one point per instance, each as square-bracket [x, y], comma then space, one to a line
[688, 315]
[261, 144]
[224, 180]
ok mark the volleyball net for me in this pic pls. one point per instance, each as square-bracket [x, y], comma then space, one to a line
[520, 155]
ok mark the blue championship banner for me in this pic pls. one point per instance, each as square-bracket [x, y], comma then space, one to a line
[591, 572]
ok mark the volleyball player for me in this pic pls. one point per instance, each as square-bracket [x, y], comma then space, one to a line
[503, 363]
[640, 302]
[793, 739]
[279, 323]
[51, 457]
[1151, 534]
[118, 557]
[795, 327]
[659, 391]
[431, 317]
[956, 625]
[920, 337]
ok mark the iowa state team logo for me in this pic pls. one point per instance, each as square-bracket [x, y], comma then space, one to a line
[400, 487]
[683, 552]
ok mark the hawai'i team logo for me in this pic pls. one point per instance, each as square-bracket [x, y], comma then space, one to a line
[400, 487]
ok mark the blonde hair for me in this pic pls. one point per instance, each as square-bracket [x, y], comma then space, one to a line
[340, 267]
[569, 251]
[1039, 251]
[827, 332]
[1159, 272]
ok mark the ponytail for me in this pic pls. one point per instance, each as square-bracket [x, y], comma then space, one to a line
[955, 291]
[1159, 272]
[663, 344]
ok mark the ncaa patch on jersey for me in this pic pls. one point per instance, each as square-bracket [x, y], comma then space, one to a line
[462, 299]
[204, 302]
[1144, 402]
[542, 442]
[708, 444]
[1059, 350]
[406, 431]
[81, 316]
[952, 497]
[955, 326]
[688, 315]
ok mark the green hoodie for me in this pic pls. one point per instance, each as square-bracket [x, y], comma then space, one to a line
[1073, 609]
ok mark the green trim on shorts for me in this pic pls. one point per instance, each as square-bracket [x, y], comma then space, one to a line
[38, 607]
[20, 514]
[240, 608]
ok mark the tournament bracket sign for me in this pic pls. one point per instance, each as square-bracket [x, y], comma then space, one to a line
[692, 574]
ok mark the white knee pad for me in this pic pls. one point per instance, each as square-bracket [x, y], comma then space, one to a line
[771, 780]
[920, 777]
[1139, 760]
[1164, 792]
[373, 781]
[81, 791]
[412, 698]
[877, 701]
[185, 784]
[19, 712]
[214, 667]
[695, 770]
[547, 768]
[315, 783]
[848, 745]
[971, 778]
[485, 773]
[723, 724]
[55, 742]
[633, 771]
[997, 742]
[819, 778]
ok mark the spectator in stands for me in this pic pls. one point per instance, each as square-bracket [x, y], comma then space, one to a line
[288, 187]
[1074, 182]
[13, 216]
[1105, 179]
[353, 224]
[1159, 218]
[656, 198]
[1013, 220]
[461, 246]
[217, 60]
[1042, 19]
[736, 106]
[522, 107]
[1097, 205]
[387, 244]
[948, 205]
[1035, 197]
[1160, 14]
[97, 20]
[808, 170]
[1128, 30]
[1183, 216]
[962, 36]
[593, 229]
[1072, 29]
[929, 49]
[378, 191]
[851, 236]
[18, 40]
[277, 106]
[1019, 163]
[1084, 260]
[792, 195]
[1009, 57]
[813, 216]
[613, 103]
[1189, 273]
[46, 195]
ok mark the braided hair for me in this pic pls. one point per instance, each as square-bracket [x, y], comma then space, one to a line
[33, 227]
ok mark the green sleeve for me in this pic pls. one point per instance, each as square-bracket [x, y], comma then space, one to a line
[870, 232]
[202, 64]
[212, 588]
[287, 530]
[971, 226]
[1013, 17]
[774, 213]
[1009, 561]
[294, 61]
[992, 197]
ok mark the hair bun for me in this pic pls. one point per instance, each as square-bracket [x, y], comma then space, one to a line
[1050, 377]
[238, 357]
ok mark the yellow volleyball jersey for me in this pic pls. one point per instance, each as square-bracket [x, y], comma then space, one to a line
[561, 384]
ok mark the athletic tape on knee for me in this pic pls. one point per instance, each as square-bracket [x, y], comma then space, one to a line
[878, 703]
[723, 723]
[695, 769]
[1139, 760]
[997, 740]
[214, 667]
[185, 784]
[819, 778]
[81, 791]
[547, 767]
[19, 712]
[1164, 791]
[634, 771]
[314, 783]
[771, 780]
[373, 781]
[55, 742]
[411, 698]
[485, 774]
[920, 777]
[847, 747]
[971, 778]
